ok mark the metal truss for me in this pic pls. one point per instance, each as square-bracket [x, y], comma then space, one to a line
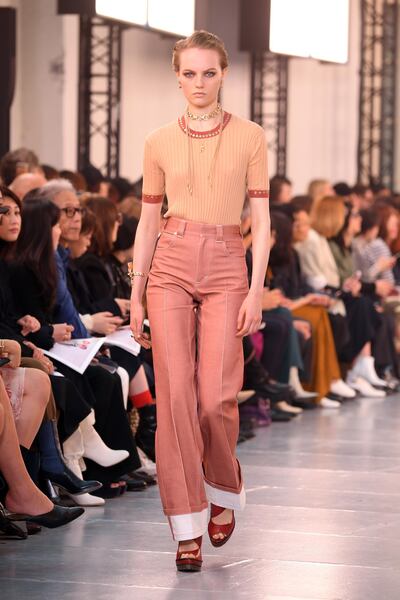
[269, 102]
[99, 94]
[377, 104]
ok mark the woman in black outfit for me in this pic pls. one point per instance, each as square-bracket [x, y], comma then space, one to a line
[33, 278]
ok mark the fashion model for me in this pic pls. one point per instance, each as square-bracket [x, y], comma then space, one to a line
[198, 298]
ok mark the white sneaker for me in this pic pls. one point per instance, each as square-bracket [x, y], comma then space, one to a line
[363, 387]
[365, 367]
[328, 403]
[340, 388]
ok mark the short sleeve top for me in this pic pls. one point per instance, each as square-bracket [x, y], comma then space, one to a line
[240, 168]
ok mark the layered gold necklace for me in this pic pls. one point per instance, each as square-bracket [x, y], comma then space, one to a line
[206, 116]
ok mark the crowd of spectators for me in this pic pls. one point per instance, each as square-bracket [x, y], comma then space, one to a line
[330, 331]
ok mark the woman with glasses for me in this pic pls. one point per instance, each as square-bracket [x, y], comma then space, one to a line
[90, 282]
[33, 280]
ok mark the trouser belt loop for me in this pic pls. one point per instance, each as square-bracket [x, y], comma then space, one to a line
[220, 233]
[181, 229]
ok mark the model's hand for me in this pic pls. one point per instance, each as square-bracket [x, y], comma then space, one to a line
[28, 324]
[250, 314]
[137, 318]
[12, 350]
[106, 323]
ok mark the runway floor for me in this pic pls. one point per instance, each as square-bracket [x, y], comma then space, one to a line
[322, 522]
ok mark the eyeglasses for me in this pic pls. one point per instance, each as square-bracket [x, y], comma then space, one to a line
[70, 211]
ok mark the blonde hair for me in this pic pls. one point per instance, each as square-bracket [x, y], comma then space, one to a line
[203, 40]
[328, 216]
[316, 189]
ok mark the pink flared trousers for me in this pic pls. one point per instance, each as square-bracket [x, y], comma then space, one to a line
[197, 283]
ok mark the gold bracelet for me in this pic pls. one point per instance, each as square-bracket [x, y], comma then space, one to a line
[132, 273]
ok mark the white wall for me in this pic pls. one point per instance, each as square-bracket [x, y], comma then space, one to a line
[323, 116]
[323, 98]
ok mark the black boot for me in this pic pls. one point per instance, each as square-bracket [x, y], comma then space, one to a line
[146, 432]
[52, 465]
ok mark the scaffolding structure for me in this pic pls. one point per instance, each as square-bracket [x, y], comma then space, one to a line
[377, 103]
[99, 94]
[269, 102]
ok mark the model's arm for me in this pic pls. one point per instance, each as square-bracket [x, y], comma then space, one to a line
[145, 241]
[250, 313]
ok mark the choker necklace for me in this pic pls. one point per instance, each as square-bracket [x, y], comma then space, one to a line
[206, 116]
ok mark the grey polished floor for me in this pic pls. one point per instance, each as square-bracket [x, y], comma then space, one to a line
[322, 522]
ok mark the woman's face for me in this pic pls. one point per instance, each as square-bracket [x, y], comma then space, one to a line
[301, 226]
[56, 234]
[200, 76]
[10, 222]
[392, 228]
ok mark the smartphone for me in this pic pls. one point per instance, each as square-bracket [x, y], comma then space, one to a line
[4, 361]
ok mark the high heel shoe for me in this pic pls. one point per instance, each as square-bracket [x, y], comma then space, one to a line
[53, 465]
[59, 516]
[214, 528]
[8, 528]
[190, 560]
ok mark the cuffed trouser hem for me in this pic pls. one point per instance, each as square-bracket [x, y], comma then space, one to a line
[226, 499]
[188, 526]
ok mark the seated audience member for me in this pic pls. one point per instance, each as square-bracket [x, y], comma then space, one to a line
[318, 189]
[362, 197]
[50, 172]
[341, 247]
[96, 183]
[282, 333]
[27, 182]
[117, 261]
[21, 497]
[90, 296]
[280, 190]
[372, 253]
[16, 162]
[119, 189]
[34, 283]
[319, 267]
[76, 179]
[285, 275]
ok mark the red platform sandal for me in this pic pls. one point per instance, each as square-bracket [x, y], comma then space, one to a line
[192, 560]
[214, 529]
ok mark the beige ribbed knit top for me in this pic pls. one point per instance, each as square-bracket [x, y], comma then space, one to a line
[218, 189]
